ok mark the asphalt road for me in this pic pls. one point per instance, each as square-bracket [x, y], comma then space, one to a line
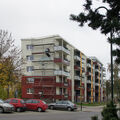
[50, 115]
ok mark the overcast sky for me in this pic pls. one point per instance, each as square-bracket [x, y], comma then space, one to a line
[37, 18]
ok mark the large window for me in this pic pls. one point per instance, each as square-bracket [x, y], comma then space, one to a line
[29, 57]
[30, 80]
[30, 90]
[30, 68]
[29, 47]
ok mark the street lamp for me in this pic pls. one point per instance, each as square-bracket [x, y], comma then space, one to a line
[111, 49]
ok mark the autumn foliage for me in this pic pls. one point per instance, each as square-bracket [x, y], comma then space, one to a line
[10, 66]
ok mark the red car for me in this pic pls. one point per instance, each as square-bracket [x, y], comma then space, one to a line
[19, 104]
[36, 104]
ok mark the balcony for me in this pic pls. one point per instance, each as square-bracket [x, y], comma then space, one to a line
[76, 77]
[43, 59]
[59, 60]
[60, 72]
[89, 81]
[77, 87]
[96, 84]
[89, 65]
[65, 95]
[89, 89]
[96, 70]
[76, 67]
[61, 48]
[66, 84]
[76, 58]
[60, 84]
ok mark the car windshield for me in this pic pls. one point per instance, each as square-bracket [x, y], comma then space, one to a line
[70, 103]
[1, 101]
[44, 102]
[22, 101]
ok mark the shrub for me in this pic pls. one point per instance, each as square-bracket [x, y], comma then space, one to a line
[110, 112]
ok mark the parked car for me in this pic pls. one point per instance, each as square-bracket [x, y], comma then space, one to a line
[19, 104]
[65, 105]
[36, 104]
[6, 107]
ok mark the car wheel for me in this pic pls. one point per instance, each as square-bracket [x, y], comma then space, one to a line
[18, 109]
[51, 107]
[1, 110]
[69, 109]
[39, 109]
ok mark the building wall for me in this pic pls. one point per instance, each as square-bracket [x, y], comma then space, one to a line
[61, 65]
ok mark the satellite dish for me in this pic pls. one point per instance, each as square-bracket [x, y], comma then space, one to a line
[47, 52]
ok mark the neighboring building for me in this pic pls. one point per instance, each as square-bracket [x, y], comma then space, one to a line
[56, 70]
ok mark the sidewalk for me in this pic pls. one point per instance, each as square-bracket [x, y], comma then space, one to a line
[91, 108]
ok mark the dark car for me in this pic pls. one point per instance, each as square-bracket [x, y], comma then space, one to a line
[19, 104]
[6, 107]
[36, 105]
[66, 105]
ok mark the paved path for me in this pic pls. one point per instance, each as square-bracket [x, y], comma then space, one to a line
[91, 108]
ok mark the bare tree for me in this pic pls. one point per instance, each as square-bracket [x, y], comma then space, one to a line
[10, 60]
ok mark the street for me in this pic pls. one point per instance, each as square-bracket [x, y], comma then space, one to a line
[51, 115]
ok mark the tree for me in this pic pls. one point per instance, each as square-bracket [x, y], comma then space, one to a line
[108, 89]
[110, 112]
[110, 22]
[10, 63]
[6, 42]
[116, 70]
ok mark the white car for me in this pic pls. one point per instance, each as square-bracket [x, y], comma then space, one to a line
[6, 107]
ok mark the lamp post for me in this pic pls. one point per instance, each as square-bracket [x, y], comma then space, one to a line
[111, 49]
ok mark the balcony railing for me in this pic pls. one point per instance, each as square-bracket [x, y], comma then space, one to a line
[76, 67]
[77, 57]
[66, 95]
[59, 60]
[97, 84]
[66, 84]
[76, 77]
[60, 72]
[77, 87]
[96, 70]
[60, 84]
[66, 62]
[42, 59]
[61, 48]
[88, 81]
[88, 65]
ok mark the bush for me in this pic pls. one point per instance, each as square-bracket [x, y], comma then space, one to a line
[110, 112]
[94, 118]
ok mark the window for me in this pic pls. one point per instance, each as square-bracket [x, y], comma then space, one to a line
[35, 101]
[29, 57]
[29, 47]
[22, 101]
[30, 91]
[8, 101]
[29, 68]
[30, 80]
[29, 101]
[59, 102]
[14, 101]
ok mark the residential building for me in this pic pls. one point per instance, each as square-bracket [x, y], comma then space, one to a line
[56, 70]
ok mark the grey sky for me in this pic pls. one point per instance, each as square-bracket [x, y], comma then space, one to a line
[37, 18]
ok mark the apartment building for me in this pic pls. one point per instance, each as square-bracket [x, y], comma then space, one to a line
[56, 70]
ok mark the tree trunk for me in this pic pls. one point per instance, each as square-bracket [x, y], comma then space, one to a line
[8, 93]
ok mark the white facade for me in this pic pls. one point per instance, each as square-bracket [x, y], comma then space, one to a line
[53, 56]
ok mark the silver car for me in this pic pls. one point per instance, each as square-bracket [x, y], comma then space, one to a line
[5, 107]
[66, 105]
